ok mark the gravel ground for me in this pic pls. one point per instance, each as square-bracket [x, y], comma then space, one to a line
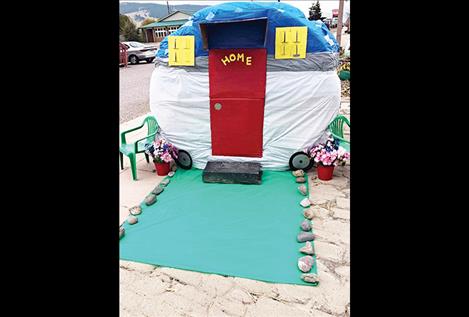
[134, 85]
[345, 84]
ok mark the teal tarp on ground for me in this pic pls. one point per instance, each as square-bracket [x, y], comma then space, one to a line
[238, 230]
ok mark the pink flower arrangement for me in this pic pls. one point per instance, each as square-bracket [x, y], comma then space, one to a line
[162, 151]
[329, 153]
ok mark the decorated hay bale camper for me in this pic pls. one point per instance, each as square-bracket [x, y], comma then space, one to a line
[246, 81]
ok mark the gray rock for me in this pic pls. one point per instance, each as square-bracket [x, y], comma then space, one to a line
[307, 248]
[305, 225]
[157, 190]
[303, 190]
[135, 210]
[300, 179]
[150, 199]
[165, 182]
[305, 202]
[132, 220]
[310, 277]
[171, 174]
[298, 173]
[121, 232]
[305, 263]
[305, 236]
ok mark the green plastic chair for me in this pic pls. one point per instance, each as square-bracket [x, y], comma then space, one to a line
[344, 75]
[337, 129]
[132, 149]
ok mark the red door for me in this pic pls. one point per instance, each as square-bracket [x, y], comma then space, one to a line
[237, 96]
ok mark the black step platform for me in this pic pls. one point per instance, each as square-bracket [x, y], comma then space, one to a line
[232, 172]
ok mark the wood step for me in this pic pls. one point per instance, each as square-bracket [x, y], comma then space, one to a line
[232, 172]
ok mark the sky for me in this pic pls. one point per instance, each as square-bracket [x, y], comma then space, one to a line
[326, 5]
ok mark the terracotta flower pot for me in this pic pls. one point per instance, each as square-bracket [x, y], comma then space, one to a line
[162, 169]
[325, 172]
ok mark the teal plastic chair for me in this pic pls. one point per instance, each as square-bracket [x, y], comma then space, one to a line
[344, 75]
[132, 149]
[337, 129]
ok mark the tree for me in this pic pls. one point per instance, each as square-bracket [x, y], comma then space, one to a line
[148, 21]
[128, 29]
[315, 12]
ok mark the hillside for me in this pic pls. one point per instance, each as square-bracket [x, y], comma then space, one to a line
[139, 11]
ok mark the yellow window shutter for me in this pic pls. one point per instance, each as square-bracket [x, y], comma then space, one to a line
[291, 42]
[181, 50]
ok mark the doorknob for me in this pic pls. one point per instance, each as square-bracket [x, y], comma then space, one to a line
[217, 106]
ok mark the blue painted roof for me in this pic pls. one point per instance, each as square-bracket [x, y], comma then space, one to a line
[278, 14]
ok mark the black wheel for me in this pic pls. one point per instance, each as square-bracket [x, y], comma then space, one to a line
[133, 59]
[300, 161]
[149, 60]
[184, 160]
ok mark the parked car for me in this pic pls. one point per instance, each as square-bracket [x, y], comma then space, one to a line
[137, 52]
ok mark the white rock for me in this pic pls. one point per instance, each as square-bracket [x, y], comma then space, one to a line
[298, 173]
[305, 263]
[308, 213]
[305, 202]
[136, 210]
[303, 190]
[307, 248]
[310, 278]
[132, 220]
